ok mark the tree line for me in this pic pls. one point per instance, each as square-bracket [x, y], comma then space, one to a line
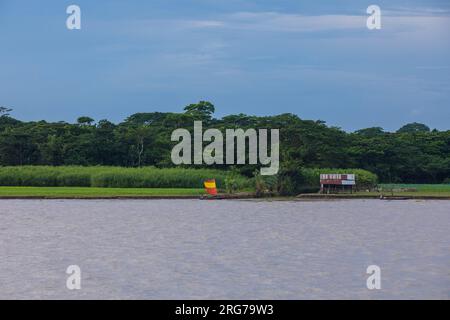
[412, 154]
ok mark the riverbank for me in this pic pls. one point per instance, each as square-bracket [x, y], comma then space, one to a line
[89, 193]
[376, 195]
[392, 192]
[98, 193]
[191, 193]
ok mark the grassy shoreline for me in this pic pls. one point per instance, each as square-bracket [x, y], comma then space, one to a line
[376, 195]
[96, 193]
[188, 193]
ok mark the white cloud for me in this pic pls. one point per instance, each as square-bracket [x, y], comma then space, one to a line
[284, 22]
[393, 21]
[273, 21]
[203, 23]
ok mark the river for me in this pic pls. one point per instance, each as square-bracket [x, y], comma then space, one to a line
[226, 249]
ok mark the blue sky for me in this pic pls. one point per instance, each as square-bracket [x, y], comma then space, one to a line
[316, 59]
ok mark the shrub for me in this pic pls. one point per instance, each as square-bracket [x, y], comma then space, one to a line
[231, 183]
[291, 180]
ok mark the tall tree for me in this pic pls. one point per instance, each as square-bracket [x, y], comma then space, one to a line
[414, 127]
[202, 110]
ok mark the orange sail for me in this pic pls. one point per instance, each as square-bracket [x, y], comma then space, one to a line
[210, 186]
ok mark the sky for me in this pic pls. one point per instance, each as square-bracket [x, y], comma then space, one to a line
[316, 59]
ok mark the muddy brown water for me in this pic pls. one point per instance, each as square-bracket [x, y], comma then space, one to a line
[229, 249]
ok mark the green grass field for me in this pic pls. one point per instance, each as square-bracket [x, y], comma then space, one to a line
[412, 190]
[419, 191]
[417, 187]
[87, 192]
[430, 191]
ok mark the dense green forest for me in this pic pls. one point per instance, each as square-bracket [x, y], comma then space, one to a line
[413, 154]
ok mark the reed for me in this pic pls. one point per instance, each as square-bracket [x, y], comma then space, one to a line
[113, 177]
